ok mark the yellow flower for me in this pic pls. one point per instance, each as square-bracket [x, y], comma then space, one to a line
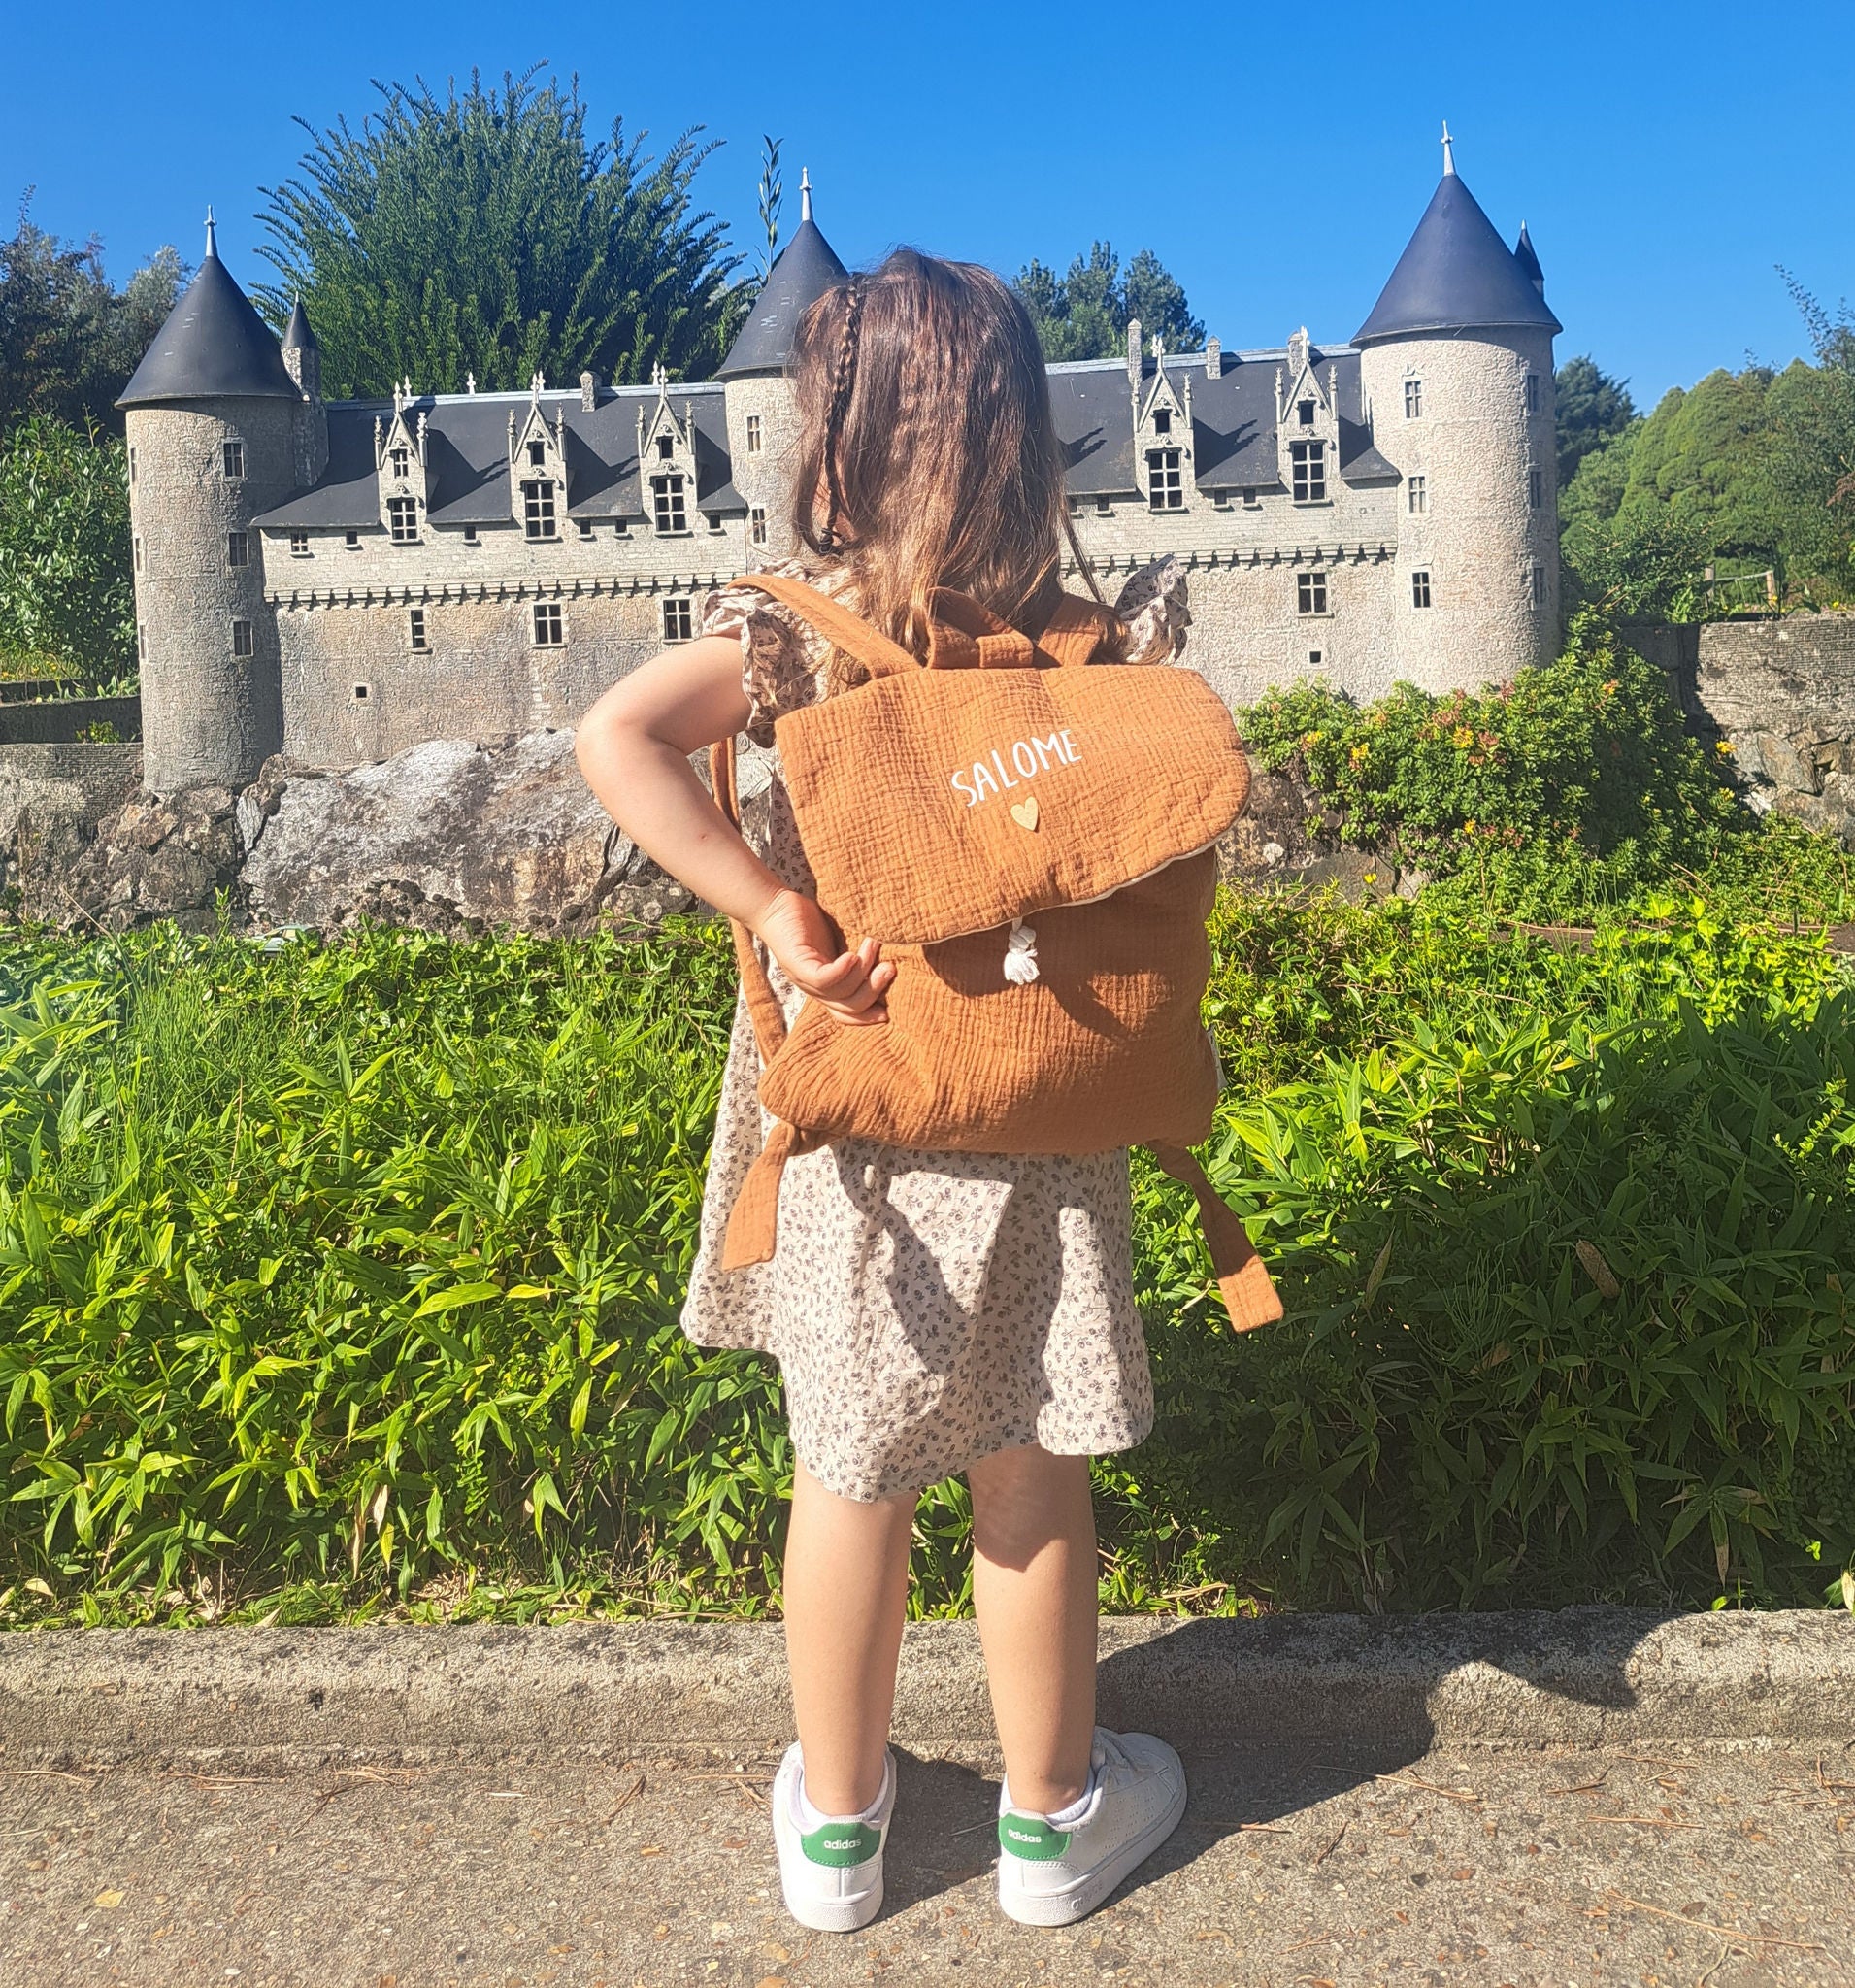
[1371, 877]
[1462, 738]
[1723, 745]
[1469, 828]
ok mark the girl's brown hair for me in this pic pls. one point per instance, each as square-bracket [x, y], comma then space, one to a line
[927, 455]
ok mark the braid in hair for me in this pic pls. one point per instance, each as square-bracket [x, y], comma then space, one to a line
[841, 392]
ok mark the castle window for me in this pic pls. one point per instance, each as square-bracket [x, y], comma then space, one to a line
[1417, 495]
[1162, 420]
[242, 643]
[1413, 399]
[402, 462]
[238, 548]
[353, 541]
[1164, 491]
[1316, 657]
[667, 506]
[753, 435]
[678, 621]
[132, 465]
[469, 535]
[665, 449]
[1532, 393]
[1311, 593]
[586, 527]
[548, 631]
[232, 453]
[360, 693]
[1539, 585]
[299, 546]
[1220, 500]
[1420, 588]
[1252, 502]
[621, 528]
[1536, 490]
[713, 520]
[757, 525]
[1308, 462]
[402, 518]
[136, 541]
[537, 454]
[141, 643]
[1103, 508]
[416, 630]
[1305, 413]
[538, 508]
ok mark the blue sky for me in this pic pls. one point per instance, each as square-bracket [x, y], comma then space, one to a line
[1665, 157]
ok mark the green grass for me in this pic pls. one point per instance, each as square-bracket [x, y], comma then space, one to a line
[343, 1280]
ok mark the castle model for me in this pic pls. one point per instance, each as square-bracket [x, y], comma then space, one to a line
[342, 580]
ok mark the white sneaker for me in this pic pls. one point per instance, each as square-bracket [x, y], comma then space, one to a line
[832, 1876]
[1051, 1873]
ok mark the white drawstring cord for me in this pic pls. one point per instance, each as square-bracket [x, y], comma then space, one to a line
[1020, 954]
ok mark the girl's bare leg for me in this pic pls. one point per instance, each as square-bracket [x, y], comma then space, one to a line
[847, 1584]
[1034, 1589]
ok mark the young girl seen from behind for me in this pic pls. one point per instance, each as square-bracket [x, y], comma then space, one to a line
[932, 1313]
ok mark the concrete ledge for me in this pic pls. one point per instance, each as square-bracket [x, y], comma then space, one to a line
[279, 1696]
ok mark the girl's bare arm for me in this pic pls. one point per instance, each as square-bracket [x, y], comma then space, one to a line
[634, 747]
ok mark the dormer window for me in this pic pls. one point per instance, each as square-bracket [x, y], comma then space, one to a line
[537, 455]
[538, 508]
[665, 449]
[402, 462]
[1163, 485]
[667, 502]
[1305, 413]
[1162, 420]
[1307, 467]
[401, 519]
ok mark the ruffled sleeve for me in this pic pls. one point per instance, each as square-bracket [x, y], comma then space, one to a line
[1154, 613]
[780, 670]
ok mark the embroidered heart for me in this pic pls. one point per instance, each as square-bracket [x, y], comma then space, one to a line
[1024, 812]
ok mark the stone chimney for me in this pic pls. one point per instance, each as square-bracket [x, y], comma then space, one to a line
[1213, 359]
[588, 393]
[1133, 355]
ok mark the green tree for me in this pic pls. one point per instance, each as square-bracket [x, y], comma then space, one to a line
[1084, 315]
[68, 339]
[1592, 408]
[486, 234]
[66, 596]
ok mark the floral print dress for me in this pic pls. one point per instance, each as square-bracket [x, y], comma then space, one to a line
[926, 1308]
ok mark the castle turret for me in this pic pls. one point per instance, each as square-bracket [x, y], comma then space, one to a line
[302, 361]
[762, 431]
[212, 412]
[1456, 364]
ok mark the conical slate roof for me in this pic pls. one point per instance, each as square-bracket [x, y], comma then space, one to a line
[807, 267]
[212, 345]
[1455, 273]
[298, 333]
[1529, 261]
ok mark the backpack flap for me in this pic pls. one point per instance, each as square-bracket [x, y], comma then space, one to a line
[942, 802]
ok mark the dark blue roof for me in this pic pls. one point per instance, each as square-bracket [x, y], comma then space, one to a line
[214, 345]
[1456, 274]
[1529, 261]
[298, 334]
[807, 267]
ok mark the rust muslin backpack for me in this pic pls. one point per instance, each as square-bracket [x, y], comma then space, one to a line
[1030, 841]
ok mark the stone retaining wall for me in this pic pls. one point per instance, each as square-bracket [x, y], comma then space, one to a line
[1781, 692]
[55, 720]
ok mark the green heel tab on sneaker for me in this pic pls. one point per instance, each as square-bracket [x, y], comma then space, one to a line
[842, 1844]
[1031, 1837]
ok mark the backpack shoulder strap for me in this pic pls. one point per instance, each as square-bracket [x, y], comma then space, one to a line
[1076, 630]
[844, 630]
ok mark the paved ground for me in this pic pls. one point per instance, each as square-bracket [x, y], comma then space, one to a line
[1568, 1868]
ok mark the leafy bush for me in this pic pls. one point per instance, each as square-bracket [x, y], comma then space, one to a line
[67, 598]
[1576, 785]
[346, 1277]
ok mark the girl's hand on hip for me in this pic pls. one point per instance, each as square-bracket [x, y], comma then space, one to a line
[812, 955]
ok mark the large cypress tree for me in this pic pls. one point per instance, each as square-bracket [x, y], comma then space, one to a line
[484, 234]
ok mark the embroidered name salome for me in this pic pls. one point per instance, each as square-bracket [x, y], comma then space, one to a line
[1027, 757]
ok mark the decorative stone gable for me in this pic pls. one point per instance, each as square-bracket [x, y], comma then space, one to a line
[399, 461]
[666, 463]
[538, 467]
[1162, 437]
[1308, 423]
